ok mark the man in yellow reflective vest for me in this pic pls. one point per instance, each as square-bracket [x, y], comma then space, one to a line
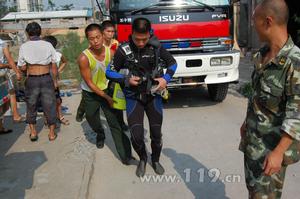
[94, 93]
[115, 91]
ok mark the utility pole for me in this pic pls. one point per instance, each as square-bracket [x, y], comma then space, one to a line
[93, 10]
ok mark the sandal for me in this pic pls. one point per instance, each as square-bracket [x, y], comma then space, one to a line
[52, 138]
[33, 138]
[5, 131]
[64, 121]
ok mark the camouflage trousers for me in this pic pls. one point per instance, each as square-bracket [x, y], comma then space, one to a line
[259, 185]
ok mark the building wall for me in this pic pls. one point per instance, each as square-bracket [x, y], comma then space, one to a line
[35, 5]
[29, 5]
[23, 6]
[61, 23]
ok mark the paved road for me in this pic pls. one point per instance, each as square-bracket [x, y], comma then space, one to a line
[199, 137]
[200, 157]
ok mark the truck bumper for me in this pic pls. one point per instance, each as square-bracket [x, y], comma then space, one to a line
[195, 69]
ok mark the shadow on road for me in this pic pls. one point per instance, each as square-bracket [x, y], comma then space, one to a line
[91, 136]
[189, 97]
[195, 176]
[17, 168]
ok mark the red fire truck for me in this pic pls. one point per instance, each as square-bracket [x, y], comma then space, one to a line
[199, 34]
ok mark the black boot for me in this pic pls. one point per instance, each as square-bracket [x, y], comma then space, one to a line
[99, 142]
[141, 168]
[79, 116]
[125, 127]
[158, 168]
[129, 161]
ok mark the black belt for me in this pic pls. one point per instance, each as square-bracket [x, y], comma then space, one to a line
[46, 74]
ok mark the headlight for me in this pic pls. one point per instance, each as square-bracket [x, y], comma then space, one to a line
[221, 61]
[215, 61]
[226, 60]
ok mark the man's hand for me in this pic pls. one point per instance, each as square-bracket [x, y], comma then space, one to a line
[19, 76]
[274, 159]
[55, 84]
[243, 130]
[272, 163]
[134, 80]
[162, 84]
[109, 100]
[23, 68]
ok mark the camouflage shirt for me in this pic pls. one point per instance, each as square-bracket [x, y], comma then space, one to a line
[274, 107]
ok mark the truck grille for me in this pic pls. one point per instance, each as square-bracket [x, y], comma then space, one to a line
[209, 44]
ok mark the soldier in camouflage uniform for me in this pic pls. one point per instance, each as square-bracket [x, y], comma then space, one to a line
[271, 132]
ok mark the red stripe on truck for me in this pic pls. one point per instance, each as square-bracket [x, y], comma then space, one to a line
[182, 30]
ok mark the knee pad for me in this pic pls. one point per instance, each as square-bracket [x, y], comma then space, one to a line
[137, 134]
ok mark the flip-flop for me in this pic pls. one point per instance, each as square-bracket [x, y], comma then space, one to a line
[5, 131]
[33, 138]
[64, 108]
[64, 121]
[52, 138]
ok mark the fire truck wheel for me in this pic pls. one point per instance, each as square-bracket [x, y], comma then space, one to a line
[217, 92]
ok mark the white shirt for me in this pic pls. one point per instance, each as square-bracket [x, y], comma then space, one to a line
[36, 52]
[58, 58]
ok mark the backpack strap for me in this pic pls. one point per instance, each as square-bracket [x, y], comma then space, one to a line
[127, 51]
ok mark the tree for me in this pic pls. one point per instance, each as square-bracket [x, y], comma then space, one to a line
[72, 47]
[51, 5]
[13, 9]
[3, 9]
[67, 7]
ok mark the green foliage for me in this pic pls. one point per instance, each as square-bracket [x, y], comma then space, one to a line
[13, 9]
[67, 7]
[51, 5]
[71, 49]
[3, 9]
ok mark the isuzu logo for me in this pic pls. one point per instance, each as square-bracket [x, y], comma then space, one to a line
[174, 18]
[219, 16]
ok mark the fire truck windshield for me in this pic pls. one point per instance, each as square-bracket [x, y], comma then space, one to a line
[141, 4]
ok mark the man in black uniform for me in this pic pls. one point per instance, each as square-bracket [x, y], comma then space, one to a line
[137, 66]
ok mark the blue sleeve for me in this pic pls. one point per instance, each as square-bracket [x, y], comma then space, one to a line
[170, 62]
[113, 75]
[170, 72]
[113, 68]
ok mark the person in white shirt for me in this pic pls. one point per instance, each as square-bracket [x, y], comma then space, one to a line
[39, 57]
